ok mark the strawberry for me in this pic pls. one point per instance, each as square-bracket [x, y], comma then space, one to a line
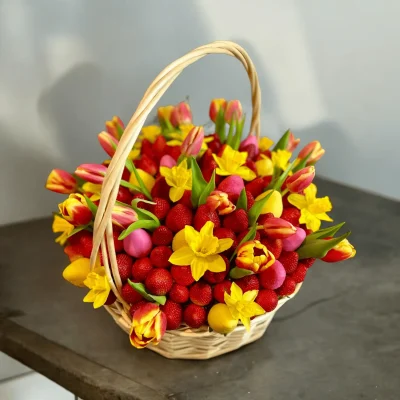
[124, 195]
[129, 294]
[273, 245]
[251, 165]
[252, 151]
[308, 262]
[147, 164]
[162, 236]
[147, 148]
[186, 199]
[216, 277]
[255, 187]
[241, 235]
[118, 244]
[287, 288]
[267, 180]
[159, 147]
[126, 174]
[178, 217]
[204, 214]
[194, 316]
[73, 251]
[289, 260]
[161, 208]
[238, 221]
[263, 217]
[250, 200]
[160, 188]
[292, 215]
[173, 312]
[285, 201]
[141, 204]
[141, 268]
[159, 281]
[182, 274]
[200, 293]
[174, 152]
[220, 289]
[206, 159]
[136, 306]
[159, 256]
[222, 233]
[179, 293]
[248, 282]
[82, 242]
[209, 169]
[124, 263]
[110, 298]
[215, 145]
[267, 299]
[299, 274]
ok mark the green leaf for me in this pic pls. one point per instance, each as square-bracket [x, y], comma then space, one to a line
[143, 188]
[130, 186]
[142, 223]
[251, 234]
[91, 205]
[302, 164]
[283, 141]
[319, 247]
[120, 130]
[129, 165]
[140, 288]
[255, 211]
[323, 233]
[237, 273]
[77, 229]
[208, 189]
[220, 125]
[238, 135]
[242, 201]
[279, 182]
[198, 182]
[232, 128]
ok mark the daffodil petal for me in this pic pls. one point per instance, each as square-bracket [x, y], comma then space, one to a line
[246, 173]
[165, 172]
[253, 309]
[198, 267]
[174, 142]
[324, 217]
[207, 229]
[311, 193]
[297, 200]
[250, 295]
[311, 221]
[224, 244]
[175, 194]
[182, 256]
[101, 298]
[321, 205]
[90, 297]
[236, 292]
[245, 322]
[191, 235]
[215, 263]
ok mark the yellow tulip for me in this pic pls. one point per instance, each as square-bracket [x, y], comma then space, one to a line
[147, 179]
[274, 203]
[220, 319]
[77, 272]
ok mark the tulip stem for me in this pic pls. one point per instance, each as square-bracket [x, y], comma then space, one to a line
[284, 192]
[259, 227]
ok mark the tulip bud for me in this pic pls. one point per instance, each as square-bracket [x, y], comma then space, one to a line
[264, 167]
[115, 127]
[75, 210]
[250, 140]
[164, 114]
[273, 277]
[108, 142]
[300, 180]
[123, 216]
[232, 185]
[274, 203]
[138, 243]
[292, 143]
[254, 256]
[219, 201]
[292, 243]
[181, 114]
[77, 271]
[93, 173]
[60, 181]
[149, 324]
[194, 140]
[215, 106]
[316, 152]
[167, 161]
[233, 111]
[340, 252]
[278, 228]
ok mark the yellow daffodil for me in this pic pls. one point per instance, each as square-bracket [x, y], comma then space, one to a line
[242, 305]
[150, 133]
[61, 225]
[264, 167]
[99, 287]
[94, 190]
[265, 143]
[313, 210]
[232, 163]
[202, 251]
[179, 178]
[280, 158]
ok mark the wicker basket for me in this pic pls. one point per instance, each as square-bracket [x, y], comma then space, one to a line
[183, 343]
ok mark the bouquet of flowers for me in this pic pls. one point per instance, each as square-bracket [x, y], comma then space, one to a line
[210, 232]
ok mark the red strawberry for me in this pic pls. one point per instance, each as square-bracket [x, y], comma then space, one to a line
[178, 217]
[159, 147]
[82, 242]
[287, 288]
[208, 171]
[206, 159]
[285, 201]
[250, 200]
[147, 148]
[263, 217]
[274, 246]
[136, 306]
[252, 151]
[241, 236]
[308, 231]
[215, 145]
[292, 215]
[200, 293]
[289, 260]
[203, 215]
[182, 274]
[267, 180]
[130, 295]
[73, 251]
[124, 195]
[252, 165]
[161, 208]
[222, 233]
[186, 199]
[173, 312]
[141, 268]
[174, 152]
[110, 298]
[267, 299]
[300, 274]
[159, 281]
[220, 289]
[141, 204]
[249, 282]
[159, 256]
[126, 174]
[147, 164]
[162, 236]
[238, 221]
[216, 277]
[118, 244]
[308, 262]
[160, 188]
[179, 293]
[124, 263]
[194, 316]
[255, 187]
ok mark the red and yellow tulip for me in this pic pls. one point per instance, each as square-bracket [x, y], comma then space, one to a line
[61, 181]
[115, 127]
[342, 251]
[300, 180]
[93, 173]
[215, 106]
[108, 142]
[123, 216]
[254, 256]
[278, 228]
[219, 201]
[316, 152]
[75, 210]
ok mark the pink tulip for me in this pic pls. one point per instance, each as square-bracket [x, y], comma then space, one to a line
[93, 173]
[301, 179]
[115, 127]
[292, 143]
[138, 243]
[181, 114]
[167, 161]
[293, 242]
[278, 228]
[232, 185]
[108, 142]
[250, 140]
[194, 140]
[233, 111]
[123, 216]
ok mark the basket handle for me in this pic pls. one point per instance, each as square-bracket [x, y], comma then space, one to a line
[102, 235]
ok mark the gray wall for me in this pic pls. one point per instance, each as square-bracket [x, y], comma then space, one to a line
[328, 70]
